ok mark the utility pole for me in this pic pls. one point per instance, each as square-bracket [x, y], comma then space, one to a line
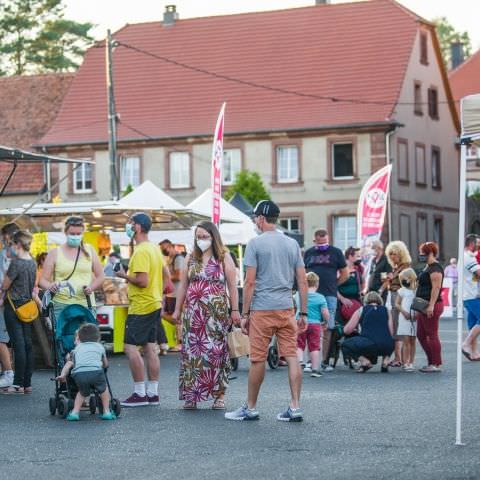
[112, 119]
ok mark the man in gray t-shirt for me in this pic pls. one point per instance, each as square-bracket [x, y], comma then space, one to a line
[272, 262]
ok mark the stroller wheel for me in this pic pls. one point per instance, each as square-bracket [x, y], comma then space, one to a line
[62, 407]
[115, 406]
[52, 405]
[273, 358]
[234, 364]
[92, 404]
[99, 404]
[70, 404]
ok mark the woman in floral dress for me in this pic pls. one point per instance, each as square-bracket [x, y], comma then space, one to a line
[202, 294]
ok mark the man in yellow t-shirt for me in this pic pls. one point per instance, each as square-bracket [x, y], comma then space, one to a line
[146, 274]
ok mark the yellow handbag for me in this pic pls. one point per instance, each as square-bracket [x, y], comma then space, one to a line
[27, 312]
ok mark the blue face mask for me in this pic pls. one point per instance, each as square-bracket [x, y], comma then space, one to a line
[74, 240]
[129, 230]
[12, 253]
[323, 247]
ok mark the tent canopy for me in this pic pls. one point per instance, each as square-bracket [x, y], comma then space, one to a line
[14, 155]
[240, 202]
[148, 196]
[232, 233]
[470, 117]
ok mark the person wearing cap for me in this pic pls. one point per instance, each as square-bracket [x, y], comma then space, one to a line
[273, 261]
[146, 274]
[113, 263]
[329, 263]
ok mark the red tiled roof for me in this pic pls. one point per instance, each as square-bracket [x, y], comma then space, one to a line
[29, 105]
[465, 79]
[356, 51]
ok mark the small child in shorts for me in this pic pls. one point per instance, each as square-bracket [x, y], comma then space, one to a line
[87, 362]
[317, 318]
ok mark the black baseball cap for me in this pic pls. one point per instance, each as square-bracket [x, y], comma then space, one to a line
[267, 208]
[143, 220]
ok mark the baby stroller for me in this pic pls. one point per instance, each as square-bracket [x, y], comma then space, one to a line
[64, 329]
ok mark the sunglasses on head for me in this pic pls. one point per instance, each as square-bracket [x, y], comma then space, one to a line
[74, 222]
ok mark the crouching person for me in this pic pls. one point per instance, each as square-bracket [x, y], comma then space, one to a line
[376, 335]
[87, 363]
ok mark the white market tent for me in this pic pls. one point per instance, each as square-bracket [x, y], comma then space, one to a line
[148, 196]
[470, 120]
[239, 233]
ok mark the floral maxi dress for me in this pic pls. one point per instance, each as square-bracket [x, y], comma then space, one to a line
[205, 362]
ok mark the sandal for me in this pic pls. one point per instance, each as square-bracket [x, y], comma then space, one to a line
[190, 405]
[395, 364]
[28, 390]
[218, 404]
[363, 368]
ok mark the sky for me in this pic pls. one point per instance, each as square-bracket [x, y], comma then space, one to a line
[113, 14]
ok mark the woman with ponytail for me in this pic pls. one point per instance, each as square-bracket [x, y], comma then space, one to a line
[74, 262]
[17, 290]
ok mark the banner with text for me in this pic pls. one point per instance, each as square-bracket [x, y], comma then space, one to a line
[217, 163]
[372, 206]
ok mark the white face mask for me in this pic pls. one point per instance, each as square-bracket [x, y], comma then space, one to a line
[204, 245]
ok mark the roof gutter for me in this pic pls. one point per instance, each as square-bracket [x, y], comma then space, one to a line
[350, 126]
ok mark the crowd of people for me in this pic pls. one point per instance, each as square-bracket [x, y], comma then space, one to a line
[323, 300]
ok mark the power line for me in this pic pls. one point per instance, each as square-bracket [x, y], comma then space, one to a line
[267, 87]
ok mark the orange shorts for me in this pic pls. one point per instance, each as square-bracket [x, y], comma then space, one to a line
[264, 324]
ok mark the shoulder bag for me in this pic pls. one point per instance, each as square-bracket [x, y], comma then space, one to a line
[27, 312]
[419, 305]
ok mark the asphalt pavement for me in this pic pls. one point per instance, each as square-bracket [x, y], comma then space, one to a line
[378, 426]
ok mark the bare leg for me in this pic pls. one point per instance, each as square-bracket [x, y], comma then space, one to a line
[315, 358]
[79, 399]
[135, 361]
[299, 355]
[105, 398]
[398, 351]
[470, 343]
[406, 353]
[153, 362]
[5, 359]
[413, 349]
[327, 335]
[295, 380]
[255, 380]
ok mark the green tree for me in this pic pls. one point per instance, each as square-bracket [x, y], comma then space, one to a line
[36, 38]
[250, 185]
[447, 35]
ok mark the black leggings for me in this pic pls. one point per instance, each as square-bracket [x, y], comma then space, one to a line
[21, 338]
[355, 347]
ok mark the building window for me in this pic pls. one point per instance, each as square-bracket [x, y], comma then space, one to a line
[344, 231]
[129, 172]
[405, 233]
[417, 99]
[287, 164]
[232, 164]
[433, 103]
[342, 161]
[291, 223]
[83, 178]
[436, 168]
[402, 156]
[422, 230]
[420, 165]
[423, 48]
[179, 170]
[438, 234]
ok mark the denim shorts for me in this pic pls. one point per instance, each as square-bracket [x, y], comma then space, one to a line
[473, 309]
[4, 338]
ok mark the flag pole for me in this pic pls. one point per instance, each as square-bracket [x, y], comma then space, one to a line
[217, 167]
[460, 268]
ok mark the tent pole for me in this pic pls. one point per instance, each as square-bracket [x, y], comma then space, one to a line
[460, 265]
[240, 263]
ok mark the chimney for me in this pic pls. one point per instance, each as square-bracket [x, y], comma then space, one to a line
[321, 2]
[456, 54]
[170, 15]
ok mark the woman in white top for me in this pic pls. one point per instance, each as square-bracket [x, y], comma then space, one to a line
[407, 328]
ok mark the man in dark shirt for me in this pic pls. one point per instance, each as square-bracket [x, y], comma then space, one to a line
[378, 267]
[328, 262]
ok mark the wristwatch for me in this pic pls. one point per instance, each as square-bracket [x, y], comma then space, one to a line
[302, 314]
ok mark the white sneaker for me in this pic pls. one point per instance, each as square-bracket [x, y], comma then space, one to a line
[409, 368]
[6, 380]
[308, 368]
[328, 368]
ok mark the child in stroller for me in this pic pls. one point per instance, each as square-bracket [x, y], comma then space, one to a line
[65, 329]
[87, 362]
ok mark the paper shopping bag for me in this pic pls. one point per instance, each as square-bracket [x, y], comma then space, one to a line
[238, 344]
